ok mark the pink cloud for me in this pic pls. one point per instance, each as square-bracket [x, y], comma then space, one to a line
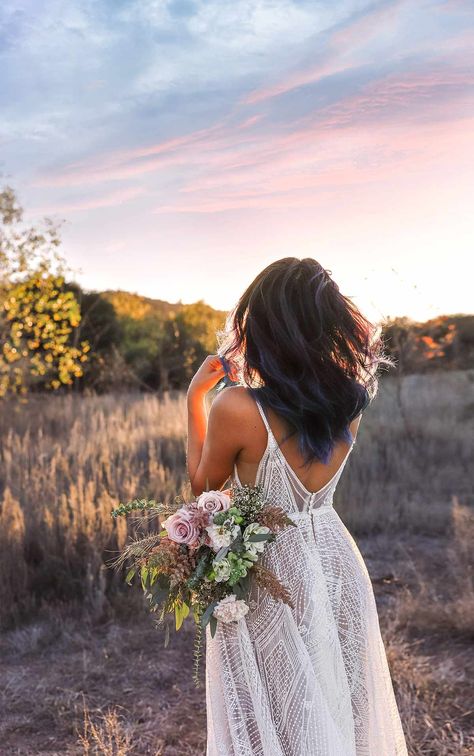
[111, 199]
[297, 170]
[250, 121]
[296, 80]
[364, 138]
[406, 95]
[339, 53]
[113, 165]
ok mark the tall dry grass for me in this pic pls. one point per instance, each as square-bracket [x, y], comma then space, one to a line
[428, 630]
[66, 461]
[413, 453]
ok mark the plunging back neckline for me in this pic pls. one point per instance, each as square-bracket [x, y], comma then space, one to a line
[273, 446]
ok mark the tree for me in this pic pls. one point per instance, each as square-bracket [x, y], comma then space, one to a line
[442, 343]
[38, 315]
[163, 344]
[100, 328]
[193, 337]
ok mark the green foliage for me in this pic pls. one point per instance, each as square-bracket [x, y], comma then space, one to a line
[38, 315]
[99, 326]
[142, 342]
[137, 505]
[162, 344]
[54, 334]
[181, 611]
[38, 319]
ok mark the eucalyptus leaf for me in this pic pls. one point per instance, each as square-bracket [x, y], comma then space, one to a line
[257, 537]
[208, 614]
[237, 544]
[213, 626]
[158, 594]
[221, 553]
[238, 589]
[201, 568]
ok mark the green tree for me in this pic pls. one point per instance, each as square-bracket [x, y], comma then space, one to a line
[190, 337]
[100, 328]
[38, 315]
[163, 344]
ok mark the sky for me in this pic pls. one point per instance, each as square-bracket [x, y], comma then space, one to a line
[185, 145]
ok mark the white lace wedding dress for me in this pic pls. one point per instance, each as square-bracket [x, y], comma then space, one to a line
[313, 680]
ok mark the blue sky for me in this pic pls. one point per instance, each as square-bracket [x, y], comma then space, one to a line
[188, 144]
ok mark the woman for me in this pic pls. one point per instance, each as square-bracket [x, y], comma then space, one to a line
[311, 680]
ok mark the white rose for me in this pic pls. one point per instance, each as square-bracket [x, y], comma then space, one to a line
[251, 552]
[254, 548]
[222, 569]
[222, 535]
[230, 609]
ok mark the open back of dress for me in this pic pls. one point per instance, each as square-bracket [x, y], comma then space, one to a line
[312, 680]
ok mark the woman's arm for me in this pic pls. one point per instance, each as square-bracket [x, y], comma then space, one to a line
[212, 441]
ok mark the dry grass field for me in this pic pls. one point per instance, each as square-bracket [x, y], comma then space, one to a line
[83, 669]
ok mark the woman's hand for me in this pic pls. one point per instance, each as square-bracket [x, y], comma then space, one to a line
[208, 376]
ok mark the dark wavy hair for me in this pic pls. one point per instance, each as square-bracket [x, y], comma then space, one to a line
[306, 351]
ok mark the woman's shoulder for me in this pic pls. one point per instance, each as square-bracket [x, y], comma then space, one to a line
[236, 405]
[234, 410]
[233, 399]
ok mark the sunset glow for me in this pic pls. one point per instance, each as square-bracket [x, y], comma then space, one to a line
[188, 144]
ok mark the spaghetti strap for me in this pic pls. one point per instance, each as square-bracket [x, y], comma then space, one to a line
[273, 444]
[264, 418]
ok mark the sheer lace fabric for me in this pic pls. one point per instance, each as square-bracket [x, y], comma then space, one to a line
[313, 680]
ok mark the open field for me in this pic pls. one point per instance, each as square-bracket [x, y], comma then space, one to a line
[84, 670]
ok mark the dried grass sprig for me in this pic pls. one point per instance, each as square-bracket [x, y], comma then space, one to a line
[268, 580]
[172, 560]
[144, 511]
[274, 517]
[135, 550]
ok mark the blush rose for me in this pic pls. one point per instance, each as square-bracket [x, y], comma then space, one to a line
[181, 528]
[213, 501]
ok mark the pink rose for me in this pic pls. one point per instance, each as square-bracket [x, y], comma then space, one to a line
[181, 528]
[213, 501]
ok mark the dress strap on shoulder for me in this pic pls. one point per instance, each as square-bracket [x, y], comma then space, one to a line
[264, 417]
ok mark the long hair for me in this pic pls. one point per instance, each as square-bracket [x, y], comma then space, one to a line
[306, 351]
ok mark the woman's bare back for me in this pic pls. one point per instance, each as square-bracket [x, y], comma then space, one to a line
[313, 477]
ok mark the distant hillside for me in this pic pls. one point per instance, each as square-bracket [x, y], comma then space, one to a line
[443, 343]
[137, 307]
[144, 342]
[152, 344]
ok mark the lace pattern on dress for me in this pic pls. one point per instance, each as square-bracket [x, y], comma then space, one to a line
[313, 680]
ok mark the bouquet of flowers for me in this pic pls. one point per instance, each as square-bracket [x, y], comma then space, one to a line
[202, 559]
